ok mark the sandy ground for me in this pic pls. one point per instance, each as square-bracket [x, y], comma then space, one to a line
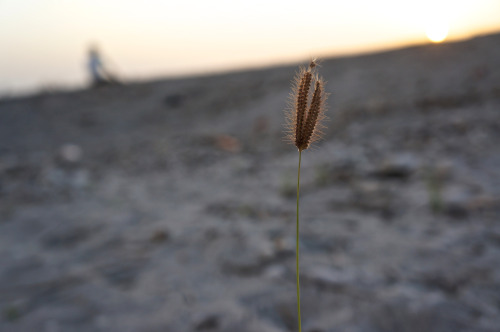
[169, 205]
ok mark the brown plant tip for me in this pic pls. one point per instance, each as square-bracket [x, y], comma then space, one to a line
[304, 117]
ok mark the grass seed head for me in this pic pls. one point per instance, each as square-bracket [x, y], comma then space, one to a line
[306, 112]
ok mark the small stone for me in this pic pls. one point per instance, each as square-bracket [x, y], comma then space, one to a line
[159, 236]
[70, 153]
[328, 277]
[282, 245]
[397, 167]
[455, 201]
[228, 143]
[174, 100]
[210, 322]
[252, 256]
[211, 234]
[274, 272]
[372, 196]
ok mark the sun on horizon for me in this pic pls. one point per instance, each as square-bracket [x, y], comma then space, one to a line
[46, 41]
[437, 31]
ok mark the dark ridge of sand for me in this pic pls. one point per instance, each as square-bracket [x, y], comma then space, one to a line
[169, 205]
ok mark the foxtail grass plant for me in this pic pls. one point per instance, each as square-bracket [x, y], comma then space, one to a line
[306, 111]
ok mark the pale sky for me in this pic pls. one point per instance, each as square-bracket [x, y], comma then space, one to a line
[45, 42]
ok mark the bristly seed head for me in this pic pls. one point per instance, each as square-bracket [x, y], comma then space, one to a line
[304, 121]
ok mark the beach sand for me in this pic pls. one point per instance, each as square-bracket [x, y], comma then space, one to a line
[170, 205]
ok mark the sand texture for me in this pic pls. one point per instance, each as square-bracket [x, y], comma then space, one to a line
[170, 205]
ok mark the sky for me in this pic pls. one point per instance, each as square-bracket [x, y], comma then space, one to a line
[44, 43]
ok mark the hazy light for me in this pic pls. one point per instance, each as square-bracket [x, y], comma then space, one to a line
[44, 42]
[437, 32]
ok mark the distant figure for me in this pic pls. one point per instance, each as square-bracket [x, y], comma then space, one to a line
[99, 74]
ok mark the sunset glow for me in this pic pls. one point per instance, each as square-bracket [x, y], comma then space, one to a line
[45, 42]
[437, 32]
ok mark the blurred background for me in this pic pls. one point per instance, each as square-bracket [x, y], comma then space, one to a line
[46, 42]
[145, 184]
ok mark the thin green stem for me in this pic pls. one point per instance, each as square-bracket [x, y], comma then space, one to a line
[297, 245]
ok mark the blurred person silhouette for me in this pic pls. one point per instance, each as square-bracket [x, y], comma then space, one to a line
[99, 73]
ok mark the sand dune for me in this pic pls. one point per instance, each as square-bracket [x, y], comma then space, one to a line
[169, 205]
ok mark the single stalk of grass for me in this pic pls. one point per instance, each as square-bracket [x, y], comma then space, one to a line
[304, 124]
[297, 245]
